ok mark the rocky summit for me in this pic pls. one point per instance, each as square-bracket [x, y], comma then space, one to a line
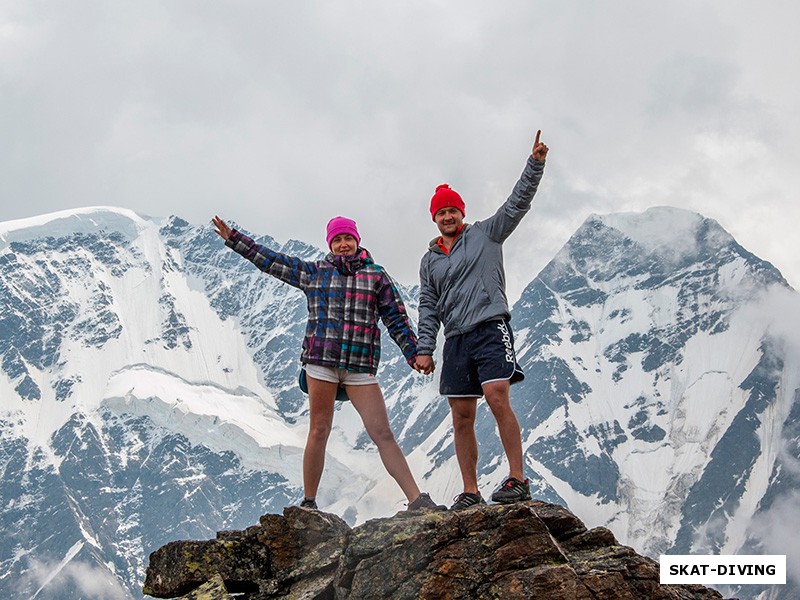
[527, 550]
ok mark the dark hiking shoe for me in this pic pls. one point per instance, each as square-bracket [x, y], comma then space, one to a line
[309, 503]
[466, 500]
[424, 502]
[512, 490]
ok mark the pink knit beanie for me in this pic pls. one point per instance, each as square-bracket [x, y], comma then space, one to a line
[340, 225]
[445, 197]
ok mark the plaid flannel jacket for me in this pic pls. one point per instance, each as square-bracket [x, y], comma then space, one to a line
[345, 294]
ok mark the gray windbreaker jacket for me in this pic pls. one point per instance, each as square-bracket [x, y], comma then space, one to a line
[467, 287]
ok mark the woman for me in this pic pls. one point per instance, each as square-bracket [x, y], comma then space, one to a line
[346, 292]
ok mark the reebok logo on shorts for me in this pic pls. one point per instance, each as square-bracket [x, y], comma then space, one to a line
[507, 341]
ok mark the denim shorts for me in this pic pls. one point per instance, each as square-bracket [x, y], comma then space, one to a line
[480, 356]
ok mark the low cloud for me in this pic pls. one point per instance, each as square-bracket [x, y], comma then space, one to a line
[47, 579]
[772, 528]
[777, 535]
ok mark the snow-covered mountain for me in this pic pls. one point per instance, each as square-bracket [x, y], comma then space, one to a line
[148, 393]
[662, 390]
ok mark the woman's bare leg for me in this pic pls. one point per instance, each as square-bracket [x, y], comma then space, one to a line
[368, 401]
[321, 396]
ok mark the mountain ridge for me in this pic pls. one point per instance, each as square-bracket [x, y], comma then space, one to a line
[148, 375]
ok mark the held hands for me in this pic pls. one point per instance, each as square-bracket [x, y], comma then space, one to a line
[539, 151]
[222, 229]
[424, 364]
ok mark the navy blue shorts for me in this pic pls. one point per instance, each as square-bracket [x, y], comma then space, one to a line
[480, 356]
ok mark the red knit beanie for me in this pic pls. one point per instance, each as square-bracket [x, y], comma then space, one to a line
[444, 197]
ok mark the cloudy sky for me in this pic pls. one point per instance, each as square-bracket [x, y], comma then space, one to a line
[280, 115]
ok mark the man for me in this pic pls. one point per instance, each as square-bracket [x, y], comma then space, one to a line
[462, 287]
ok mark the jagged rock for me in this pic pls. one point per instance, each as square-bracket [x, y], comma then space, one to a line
[180, 567]
[294, 555]
[526, 550]
[305, 547]
[214, 589]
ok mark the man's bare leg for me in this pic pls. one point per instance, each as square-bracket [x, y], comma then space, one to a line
[466, 444]
[497, 396]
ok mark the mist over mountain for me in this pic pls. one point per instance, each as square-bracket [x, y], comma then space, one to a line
[148, 393]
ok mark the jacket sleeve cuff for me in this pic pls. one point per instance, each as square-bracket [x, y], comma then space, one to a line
[233, 238]
[537, 165]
